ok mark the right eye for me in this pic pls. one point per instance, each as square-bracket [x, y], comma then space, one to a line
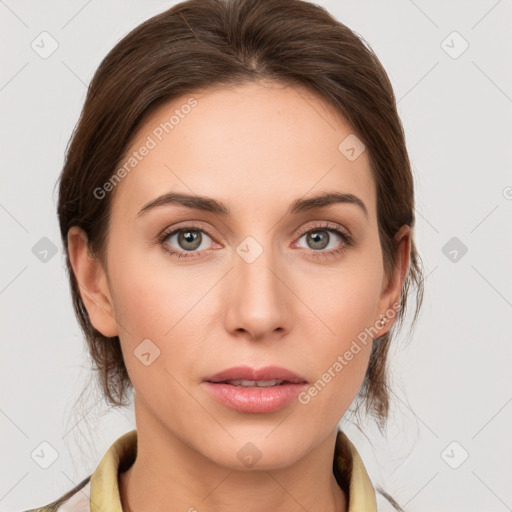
[186, 239]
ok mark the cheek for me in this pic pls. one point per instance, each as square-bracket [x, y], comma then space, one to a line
[342, 313]
[172, 310]
[162, 304]
[151, 294]
[341, 353]
[343, 302]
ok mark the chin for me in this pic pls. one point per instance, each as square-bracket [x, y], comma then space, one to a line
[260, 448]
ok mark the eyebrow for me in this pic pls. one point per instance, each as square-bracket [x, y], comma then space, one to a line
[211, 205]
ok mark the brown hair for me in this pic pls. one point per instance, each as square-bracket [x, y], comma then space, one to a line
[198, 44]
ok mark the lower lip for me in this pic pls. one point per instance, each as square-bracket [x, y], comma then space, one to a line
[254, 399]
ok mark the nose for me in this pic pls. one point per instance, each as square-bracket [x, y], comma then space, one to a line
[258, 300]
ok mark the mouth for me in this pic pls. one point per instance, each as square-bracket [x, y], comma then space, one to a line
[248, 390]
[256, 377]
[254, 383]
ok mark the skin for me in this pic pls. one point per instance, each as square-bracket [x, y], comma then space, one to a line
[256, 147]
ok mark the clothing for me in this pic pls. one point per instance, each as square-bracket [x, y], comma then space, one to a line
[100, 491]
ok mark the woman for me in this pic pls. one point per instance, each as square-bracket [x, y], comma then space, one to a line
[237, 209]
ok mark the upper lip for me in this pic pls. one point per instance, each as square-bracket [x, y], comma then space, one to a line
[249, 373]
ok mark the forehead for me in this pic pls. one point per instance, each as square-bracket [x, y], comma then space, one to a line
[246, 145]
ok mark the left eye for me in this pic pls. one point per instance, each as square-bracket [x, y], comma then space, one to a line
[319, 239]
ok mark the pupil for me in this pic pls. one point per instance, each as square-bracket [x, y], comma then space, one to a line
[190, 237]
[319, 239]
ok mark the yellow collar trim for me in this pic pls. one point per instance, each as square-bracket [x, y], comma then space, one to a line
[105, 483]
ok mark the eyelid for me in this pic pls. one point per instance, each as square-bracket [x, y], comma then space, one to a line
[325, 225]
[305, 229]
[340, 230]
[168, 231]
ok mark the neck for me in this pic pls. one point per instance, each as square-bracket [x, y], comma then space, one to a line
[169, 474]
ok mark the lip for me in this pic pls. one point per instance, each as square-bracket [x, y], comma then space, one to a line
[256, 400]
[249, 373]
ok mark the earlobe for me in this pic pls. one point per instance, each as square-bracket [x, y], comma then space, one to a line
[390, 296]
[93, 283]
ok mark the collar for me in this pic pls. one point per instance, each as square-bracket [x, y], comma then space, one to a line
[347, 466]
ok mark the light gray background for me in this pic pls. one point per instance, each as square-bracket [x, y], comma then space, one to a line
[452, 377]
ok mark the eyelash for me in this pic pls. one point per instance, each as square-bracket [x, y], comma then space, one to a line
[345, 236]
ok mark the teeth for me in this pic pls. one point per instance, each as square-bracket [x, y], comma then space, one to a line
[257, 383]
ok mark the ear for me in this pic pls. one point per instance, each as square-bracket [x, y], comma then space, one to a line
[93, 283]
[391, 291]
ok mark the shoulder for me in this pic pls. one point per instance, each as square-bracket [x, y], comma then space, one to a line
[75, 500]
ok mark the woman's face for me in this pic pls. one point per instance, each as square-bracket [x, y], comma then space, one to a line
[263, 280]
